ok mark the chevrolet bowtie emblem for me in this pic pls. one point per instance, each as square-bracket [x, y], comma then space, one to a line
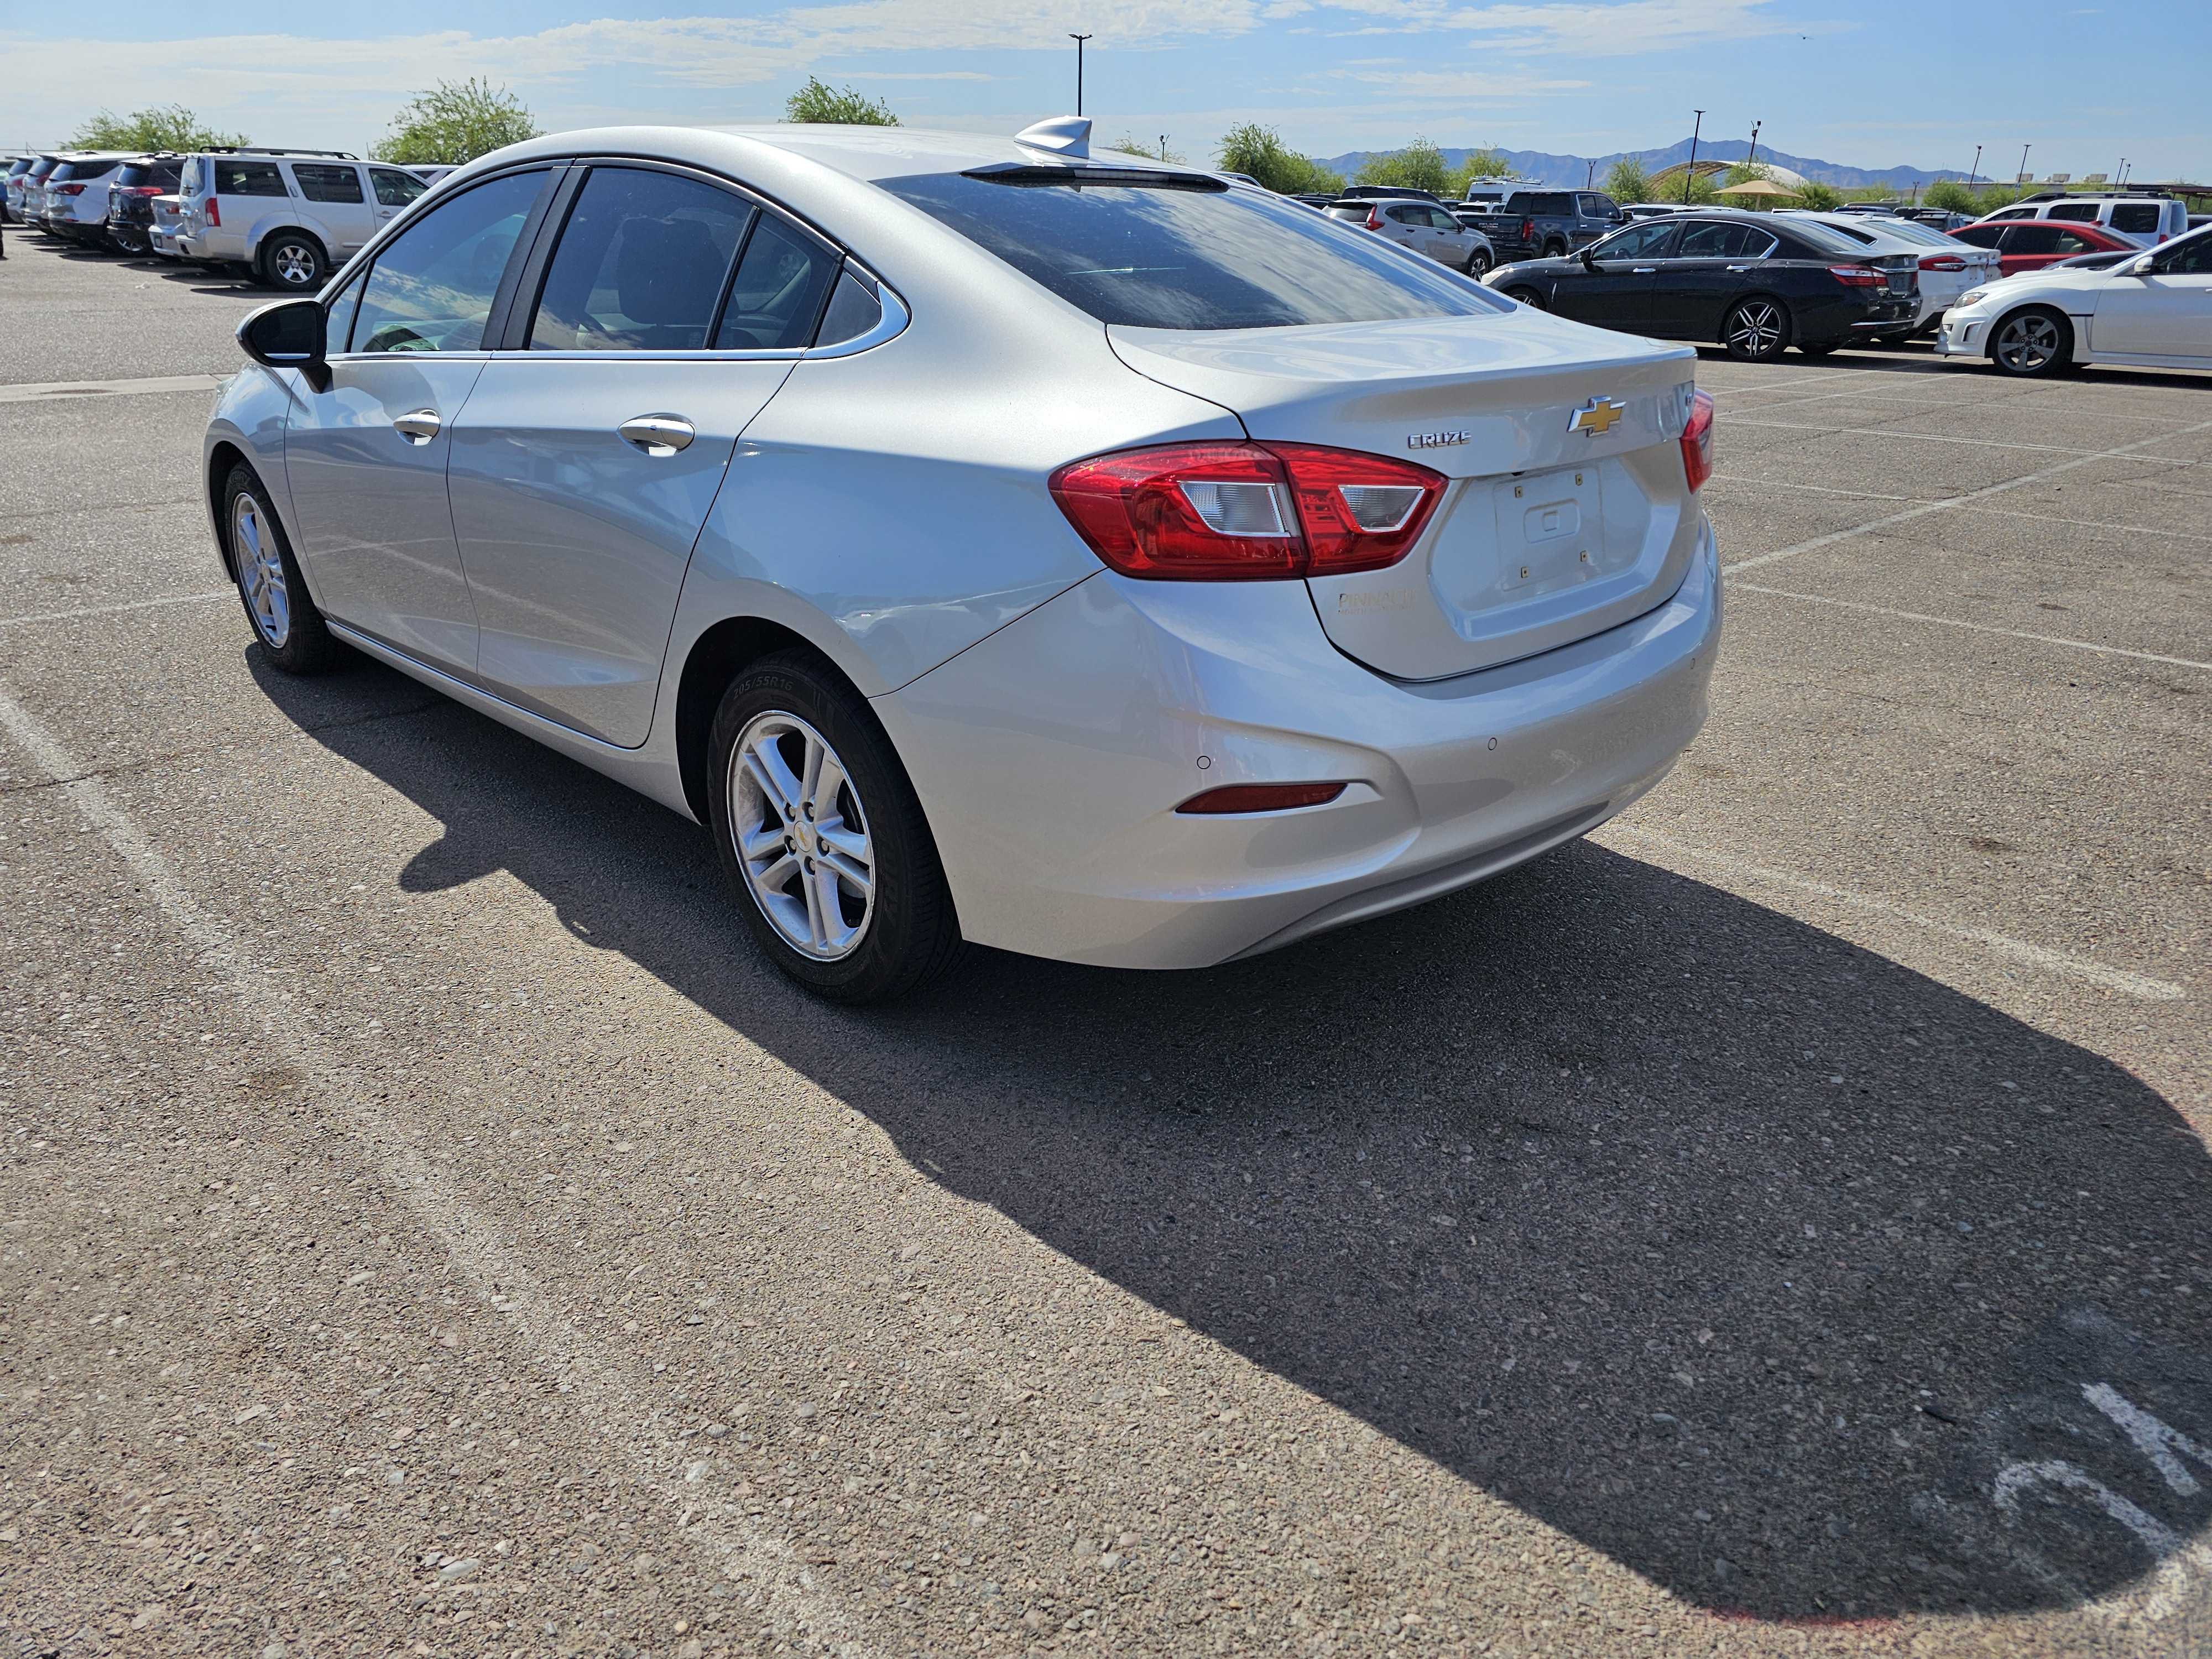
[1597, 417]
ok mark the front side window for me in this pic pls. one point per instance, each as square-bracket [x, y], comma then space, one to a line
[776, 297]
[395, 188]
[1179, 256]
[2081, 212]
[2072, 241]
[639, 265]
[319, 182]
[1647, 238]
[432, 289]
[2136, 218]
[2035, 239]
[247, 177]
[337, 321]
[2190, 258]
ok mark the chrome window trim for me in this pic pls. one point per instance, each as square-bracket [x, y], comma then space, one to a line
[891, 325]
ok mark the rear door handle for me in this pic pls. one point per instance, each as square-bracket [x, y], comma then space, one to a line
[417, 426]
[658, 435]
[1644, 270]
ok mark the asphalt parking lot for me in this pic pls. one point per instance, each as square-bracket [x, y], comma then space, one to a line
[1777, 1225]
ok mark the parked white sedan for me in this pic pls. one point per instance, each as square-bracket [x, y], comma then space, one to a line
[2153, 310]
[1090, 559]
[1949, 268]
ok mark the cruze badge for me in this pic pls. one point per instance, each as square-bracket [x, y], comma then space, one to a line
[1434, 440]
[1597, 417]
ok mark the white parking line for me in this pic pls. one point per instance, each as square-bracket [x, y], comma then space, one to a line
[1978, 628]
[2139, 986]
[1924, 508]
[118, 610]
[1818, 489]
[2117, 528]
[1970, 443]
[34, 390]
[630, 1427]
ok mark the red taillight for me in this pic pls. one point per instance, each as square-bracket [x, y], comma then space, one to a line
[1374, 218]
[1246, 512]
[1941, 262]
[214, 213]
[1261, 798]
[68, 190]
[1857, 277]
[1527, 230]
[1698, 441]
[141, 189]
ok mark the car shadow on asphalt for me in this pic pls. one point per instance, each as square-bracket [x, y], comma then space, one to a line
[1794, 1280]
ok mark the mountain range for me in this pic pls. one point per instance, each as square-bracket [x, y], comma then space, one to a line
[1551, 169]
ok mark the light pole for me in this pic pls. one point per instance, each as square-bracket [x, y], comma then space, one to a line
[1589, 175]
[2023, 163]
[1752, 160]
[1689, 174]
[2121, 176]
[1974, 172]
[1079, 39]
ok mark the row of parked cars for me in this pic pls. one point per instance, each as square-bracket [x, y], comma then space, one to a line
[1761, 283]
[289, 217]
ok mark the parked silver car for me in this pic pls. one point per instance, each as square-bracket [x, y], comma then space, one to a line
[1425, 227]
[1101, 562]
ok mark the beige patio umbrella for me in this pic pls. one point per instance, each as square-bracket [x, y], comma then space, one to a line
[1757, 188]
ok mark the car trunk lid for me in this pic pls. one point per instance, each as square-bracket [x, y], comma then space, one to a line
[1552, 527]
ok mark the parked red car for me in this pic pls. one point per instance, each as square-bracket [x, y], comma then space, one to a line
[2032, 244]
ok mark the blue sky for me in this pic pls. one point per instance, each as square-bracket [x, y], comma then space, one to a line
[1870, 82]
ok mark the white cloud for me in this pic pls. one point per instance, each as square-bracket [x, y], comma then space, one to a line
[1621, 29]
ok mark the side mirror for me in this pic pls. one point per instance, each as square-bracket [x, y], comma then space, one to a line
[288, 335]
[1590, 258]
[2145, 266]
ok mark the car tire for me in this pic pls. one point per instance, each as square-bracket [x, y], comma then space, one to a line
[1527, 296]
[1756, 329]
[855, 916]
[1478, 265]
[292, 260]
[285, 618]
[1554, 249]
[2033, 343]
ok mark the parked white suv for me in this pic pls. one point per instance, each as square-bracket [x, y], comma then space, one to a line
[2146, 220]
[293, 216]
[76, 201]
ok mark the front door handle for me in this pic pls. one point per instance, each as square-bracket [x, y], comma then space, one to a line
[658, 435]
[417, 426]
[1644, 270]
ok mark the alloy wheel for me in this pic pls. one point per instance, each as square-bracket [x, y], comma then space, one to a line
[801, 835]
[2028, 344]
[293, 264]
[261, 571]
[1755, 330]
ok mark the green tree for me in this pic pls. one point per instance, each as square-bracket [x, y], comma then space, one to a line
[455, 121]
[1261, 152]
[1485, 163]
[1951, 196]
[1159, 152]
[1626, 181]
[1820, 198]
[816, 103]
[168, 127]
[1420, 165]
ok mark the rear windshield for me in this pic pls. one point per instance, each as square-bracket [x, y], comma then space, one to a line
[135, 174]
[1826, 238]
[1155, 257]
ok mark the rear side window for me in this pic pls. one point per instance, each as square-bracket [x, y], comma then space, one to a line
[776, 297]
[432, 289]
[1155, 257]
[395, 188]
[2136, 218]
[246, 178]
[639, 265]
[2081, 212]
[853, 310]
[1979, 235]
[1721, 241]
[319, 182]
[189, 183]
[2037, 238]
[2072, 241]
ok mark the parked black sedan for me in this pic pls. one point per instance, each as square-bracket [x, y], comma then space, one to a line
[1747, 281]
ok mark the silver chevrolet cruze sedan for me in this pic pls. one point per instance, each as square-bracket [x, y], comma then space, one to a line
[990, 541]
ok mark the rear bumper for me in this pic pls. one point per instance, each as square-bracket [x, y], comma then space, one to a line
[1050, 757]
